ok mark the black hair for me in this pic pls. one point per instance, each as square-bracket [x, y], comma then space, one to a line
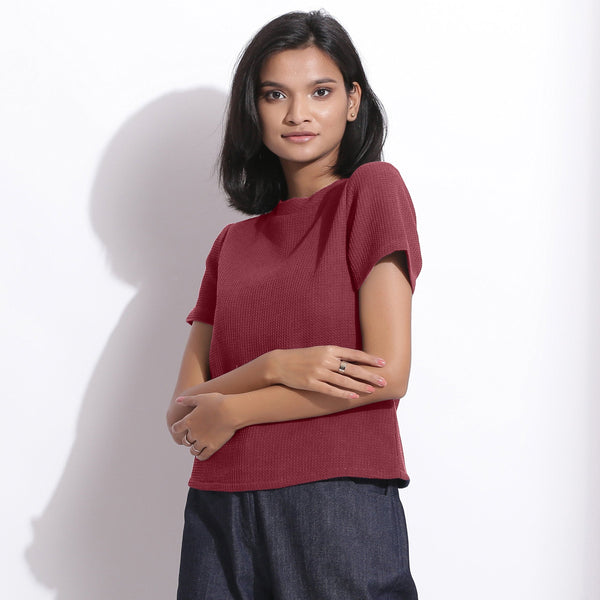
[249, 172]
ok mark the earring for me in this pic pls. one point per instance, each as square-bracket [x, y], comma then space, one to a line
[352, 115]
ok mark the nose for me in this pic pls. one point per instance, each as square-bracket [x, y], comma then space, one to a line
[298, 111]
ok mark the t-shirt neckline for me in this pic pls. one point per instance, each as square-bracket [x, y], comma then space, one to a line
[299, 202]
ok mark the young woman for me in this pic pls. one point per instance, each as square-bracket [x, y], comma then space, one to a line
[300, 341]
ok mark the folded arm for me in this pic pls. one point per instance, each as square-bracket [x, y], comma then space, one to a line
[385, 313]
[314, 369]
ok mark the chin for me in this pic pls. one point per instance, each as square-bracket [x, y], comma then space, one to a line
[302, 155]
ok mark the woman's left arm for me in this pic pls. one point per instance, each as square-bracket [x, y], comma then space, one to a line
[385, 314]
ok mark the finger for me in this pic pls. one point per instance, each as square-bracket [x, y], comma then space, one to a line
[179, 440]
[330, 390]
[204, 455]
[186, 400]
[186, 440]
[349, 383]
[356, 372]
[179, 427]
[358, 356]
[197, 449]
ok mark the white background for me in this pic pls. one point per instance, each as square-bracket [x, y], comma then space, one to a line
[109, 128]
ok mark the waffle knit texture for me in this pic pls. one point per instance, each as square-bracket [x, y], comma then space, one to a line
[290, 279]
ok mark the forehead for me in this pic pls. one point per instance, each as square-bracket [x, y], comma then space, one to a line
[307, 63]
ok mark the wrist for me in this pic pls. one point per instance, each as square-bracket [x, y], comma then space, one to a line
[235, 408]
[271, 367]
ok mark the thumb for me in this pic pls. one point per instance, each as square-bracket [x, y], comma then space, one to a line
[186, 401]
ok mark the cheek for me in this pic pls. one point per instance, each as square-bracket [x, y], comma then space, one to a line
[270, 134]
[334, 115]
[268, 123]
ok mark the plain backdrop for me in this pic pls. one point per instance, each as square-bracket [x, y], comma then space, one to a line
[110, 122]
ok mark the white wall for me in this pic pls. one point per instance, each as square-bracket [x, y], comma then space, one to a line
[109, 127]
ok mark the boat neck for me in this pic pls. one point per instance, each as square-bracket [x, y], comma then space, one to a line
[298, 202]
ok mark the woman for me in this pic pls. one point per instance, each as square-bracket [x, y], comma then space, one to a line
[300, 341]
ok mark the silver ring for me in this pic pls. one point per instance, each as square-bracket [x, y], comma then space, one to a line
[342, 367]
[186, 441]
[197, 452]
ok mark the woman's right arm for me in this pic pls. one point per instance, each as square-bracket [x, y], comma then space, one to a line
[194, 374]
[311, 369]
[193, 371]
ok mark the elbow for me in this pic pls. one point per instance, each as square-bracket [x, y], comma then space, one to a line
[397, 390]
[403, 389]
[396, 383]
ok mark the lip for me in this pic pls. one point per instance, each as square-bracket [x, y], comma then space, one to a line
[299, 134]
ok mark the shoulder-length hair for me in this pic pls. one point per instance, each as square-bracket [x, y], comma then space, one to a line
[249, 172]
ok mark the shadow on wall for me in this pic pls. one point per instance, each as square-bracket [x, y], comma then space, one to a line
[592, 550]
[113, 526]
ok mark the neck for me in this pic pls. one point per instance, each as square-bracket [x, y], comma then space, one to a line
[304, 180]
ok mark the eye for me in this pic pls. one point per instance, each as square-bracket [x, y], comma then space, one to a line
[274, 95]
[322, 92]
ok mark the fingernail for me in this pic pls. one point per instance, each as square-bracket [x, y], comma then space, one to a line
[353, 395]
[380, 362]
[381, 381]
[179, 400]
[370, 389]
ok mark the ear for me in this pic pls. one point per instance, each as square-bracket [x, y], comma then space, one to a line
[354, 96]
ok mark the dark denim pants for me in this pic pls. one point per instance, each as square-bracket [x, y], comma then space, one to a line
[342, 538]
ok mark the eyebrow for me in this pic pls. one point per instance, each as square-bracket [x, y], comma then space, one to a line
[281, 85]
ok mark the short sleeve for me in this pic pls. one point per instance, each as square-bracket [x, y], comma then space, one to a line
[207, 297]
[381, 220]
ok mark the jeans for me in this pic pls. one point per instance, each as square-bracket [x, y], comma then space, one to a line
[342, 538]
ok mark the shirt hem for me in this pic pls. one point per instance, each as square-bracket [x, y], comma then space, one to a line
[402, 481]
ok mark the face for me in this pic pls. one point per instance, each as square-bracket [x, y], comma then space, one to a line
[303, 106]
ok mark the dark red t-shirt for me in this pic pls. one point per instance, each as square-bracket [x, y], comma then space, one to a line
[290, 279]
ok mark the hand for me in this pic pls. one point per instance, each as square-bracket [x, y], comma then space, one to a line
[207, 428]
[317, 369]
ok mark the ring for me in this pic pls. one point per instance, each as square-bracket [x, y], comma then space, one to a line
[197, 452]
[342, 367]
[185, 441]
